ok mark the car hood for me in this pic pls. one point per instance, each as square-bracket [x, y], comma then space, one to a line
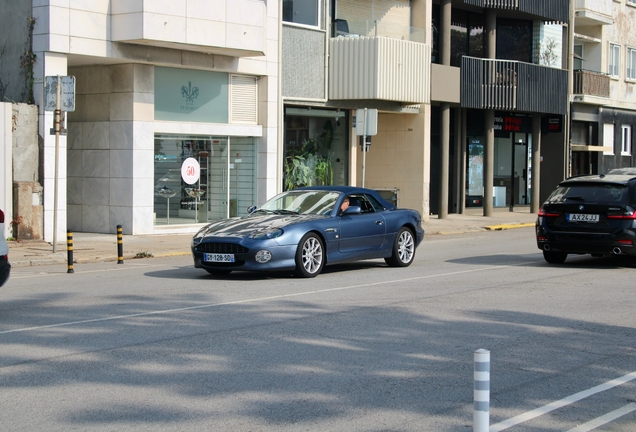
[243, 226]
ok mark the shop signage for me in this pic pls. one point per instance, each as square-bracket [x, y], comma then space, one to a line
[552, 123]
[191, 95]
[190, 171]
[510, 123]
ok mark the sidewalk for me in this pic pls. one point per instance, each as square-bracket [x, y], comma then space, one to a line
[91, 247]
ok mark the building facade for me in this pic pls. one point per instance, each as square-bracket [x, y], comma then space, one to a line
[499, 96]
[604, 98]
[156, 83]
[342, 56]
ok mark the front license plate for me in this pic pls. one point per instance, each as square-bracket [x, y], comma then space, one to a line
[210, 257]
[577, 217]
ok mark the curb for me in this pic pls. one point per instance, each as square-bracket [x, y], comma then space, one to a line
[509, 226]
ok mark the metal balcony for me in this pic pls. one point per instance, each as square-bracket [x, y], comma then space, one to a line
[587, 83]
[556, 10]
[512, 85]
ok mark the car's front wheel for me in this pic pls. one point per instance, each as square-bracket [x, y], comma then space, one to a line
[403, 249]
[310, 256]
[554, 257]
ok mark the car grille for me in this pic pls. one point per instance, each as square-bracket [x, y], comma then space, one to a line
[221, 248]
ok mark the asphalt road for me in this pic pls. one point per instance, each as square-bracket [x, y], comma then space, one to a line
[155, 344]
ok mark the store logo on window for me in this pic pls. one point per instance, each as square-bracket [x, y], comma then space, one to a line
[190, 94]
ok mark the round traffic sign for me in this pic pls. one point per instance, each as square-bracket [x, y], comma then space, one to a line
[190, 171]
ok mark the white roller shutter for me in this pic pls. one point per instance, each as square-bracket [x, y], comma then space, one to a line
[243, 99]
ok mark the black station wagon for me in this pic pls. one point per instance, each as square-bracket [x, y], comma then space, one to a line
[591, 214]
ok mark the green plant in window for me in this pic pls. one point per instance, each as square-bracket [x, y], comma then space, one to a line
[311, 165]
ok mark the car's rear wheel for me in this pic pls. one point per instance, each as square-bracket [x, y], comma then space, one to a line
[403, 249]
[554, 257]
[310, 256]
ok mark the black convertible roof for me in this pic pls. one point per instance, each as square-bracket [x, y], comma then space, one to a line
[351, 190]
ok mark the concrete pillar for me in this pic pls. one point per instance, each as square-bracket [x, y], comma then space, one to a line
[536, 164]
[445, 49]
[445, 32]
[489, 123]
[489, 161]
[460, 161]
[444, 156]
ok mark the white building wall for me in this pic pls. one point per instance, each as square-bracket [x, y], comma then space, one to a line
[622, 90]
[113, 126]
[6, 171]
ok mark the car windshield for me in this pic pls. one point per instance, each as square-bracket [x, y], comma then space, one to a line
[589, 193]
[301, 202]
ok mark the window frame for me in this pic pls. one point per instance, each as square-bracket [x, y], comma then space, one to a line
[631, 63]
[614, 60]
[318, 25]
[626, 140]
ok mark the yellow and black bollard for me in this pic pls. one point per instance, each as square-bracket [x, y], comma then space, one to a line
[69, 251]
[120, 245]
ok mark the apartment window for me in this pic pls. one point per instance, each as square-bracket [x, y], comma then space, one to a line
[631, 62]
[626, 149]
[614, 59]
[301, 11]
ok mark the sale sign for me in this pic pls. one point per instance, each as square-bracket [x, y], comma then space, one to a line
[190, 171]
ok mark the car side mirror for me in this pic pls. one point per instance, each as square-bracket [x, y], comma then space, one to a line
[251, 209]
[351, 210]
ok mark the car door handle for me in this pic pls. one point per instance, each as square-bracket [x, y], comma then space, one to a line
[379, 222]
[330, 230]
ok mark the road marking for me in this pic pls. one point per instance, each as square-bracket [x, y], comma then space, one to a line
[561, 403]
[253, 300]
[604, 419]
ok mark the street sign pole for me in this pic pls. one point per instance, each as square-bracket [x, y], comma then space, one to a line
[56, 126]
[364, 145]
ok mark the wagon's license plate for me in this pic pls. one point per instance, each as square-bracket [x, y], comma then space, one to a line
[212, 257]
[578, 217]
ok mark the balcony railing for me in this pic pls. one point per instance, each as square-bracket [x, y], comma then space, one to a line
[512, 85]
[557, 10]
[590, 83]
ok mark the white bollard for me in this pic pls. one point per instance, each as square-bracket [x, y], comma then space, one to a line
[481, 391]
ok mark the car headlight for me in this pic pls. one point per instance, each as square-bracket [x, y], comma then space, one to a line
[269, 233]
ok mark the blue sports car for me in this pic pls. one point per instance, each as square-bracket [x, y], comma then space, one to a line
[305, 229]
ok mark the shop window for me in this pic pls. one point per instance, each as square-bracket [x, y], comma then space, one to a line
[301, 12]
[316, 148]
[225, 186]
